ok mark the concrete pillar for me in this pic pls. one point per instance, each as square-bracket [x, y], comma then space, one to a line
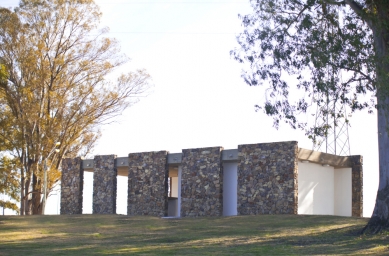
[71, 186]
[178, 214]
[267, 178]
[147, 184]
[104, 185]
[230, 186]
[201, 182]
[357, 185]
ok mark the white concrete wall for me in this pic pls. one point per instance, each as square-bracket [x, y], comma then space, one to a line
[87, 193]
[121, 194]
[315, 189]
[174, 206]
[230, 189]
[343, 192]
[174, 187]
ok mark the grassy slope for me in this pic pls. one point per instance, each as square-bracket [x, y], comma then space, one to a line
[240, 235]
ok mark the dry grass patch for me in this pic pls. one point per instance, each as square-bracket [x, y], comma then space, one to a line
[240, 235]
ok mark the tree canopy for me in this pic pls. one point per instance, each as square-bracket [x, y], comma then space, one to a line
[9, 182]
[323, 51]
[56, 89]
[9, 176]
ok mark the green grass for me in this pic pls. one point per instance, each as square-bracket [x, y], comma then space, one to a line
[240, 235]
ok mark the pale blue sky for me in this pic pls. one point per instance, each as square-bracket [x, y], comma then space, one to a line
[199, 99]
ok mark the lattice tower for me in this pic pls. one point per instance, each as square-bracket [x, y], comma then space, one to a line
[335, 139]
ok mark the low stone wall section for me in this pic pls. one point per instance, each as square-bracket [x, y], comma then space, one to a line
[147, 184]
[267, 178]
[201, 182]
[72, 186]
[104, 185]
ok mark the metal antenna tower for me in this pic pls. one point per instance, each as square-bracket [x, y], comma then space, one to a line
[335, 139]
[332, 116]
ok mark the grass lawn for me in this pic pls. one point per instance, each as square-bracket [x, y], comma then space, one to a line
[239, 235]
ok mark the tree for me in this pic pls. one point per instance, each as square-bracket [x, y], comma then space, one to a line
[9, 177]
[334, 49]
[9, 182]
[56, 90]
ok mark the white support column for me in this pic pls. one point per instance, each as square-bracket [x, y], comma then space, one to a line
[230, 189]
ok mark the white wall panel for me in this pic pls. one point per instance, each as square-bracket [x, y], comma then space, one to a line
[315, 189]
[343, 192]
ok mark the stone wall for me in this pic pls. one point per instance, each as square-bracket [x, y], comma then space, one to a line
[267, 181]
[201, 182]
[104, 185]
[267, 178]
[71, 186]
[357, 185]
[147, 184]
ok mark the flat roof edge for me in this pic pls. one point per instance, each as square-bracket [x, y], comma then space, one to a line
[324, 158]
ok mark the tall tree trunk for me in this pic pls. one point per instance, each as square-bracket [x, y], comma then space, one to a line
[380, 217]
[27, 186]
[22, 183]
[22, 192]
[36, 195]
[27, 210]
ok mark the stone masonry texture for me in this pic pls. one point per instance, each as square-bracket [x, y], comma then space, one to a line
[71, 186]
[104, 185]
[267, 178]
[147, 184]
[357, 185]
[201, 182]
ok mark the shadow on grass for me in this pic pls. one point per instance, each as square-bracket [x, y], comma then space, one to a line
[240, 235]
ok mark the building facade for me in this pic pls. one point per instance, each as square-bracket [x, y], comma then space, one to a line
[263, 178]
